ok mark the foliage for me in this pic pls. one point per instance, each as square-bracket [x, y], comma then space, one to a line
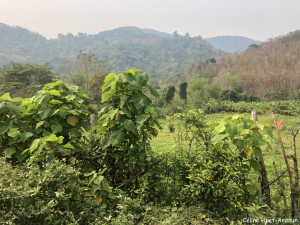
[183, 91]
[223, 162]
[279, 94]
[49, 123]
[268, 68]
[88, 72]
[198, 91]
[126, 126]
[24, 79]
[127, 47]
[170, 91]
[54, 194]
[230, 95]
[290, 107]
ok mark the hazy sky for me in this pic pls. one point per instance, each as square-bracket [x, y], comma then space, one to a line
[257, 19]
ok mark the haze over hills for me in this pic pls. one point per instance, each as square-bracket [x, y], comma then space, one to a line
[272, 67]
[124, 48]
[232, 43]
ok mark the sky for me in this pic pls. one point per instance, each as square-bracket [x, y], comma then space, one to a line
[256, 19]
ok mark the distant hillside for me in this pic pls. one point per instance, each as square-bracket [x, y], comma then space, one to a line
[272, 67]
[232, 43]
[124, 48]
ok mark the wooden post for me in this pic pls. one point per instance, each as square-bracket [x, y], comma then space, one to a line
[254, 116]
[265, 188]
[93, 121]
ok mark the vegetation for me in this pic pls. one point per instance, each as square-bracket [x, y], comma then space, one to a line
[269, 71]
[128, 47]
[24, 79]
[134, 157]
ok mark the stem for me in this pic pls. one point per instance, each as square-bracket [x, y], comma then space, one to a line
[287, 166]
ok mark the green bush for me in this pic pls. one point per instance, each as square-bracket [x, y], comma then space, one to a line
[50, 122]
[53, 194]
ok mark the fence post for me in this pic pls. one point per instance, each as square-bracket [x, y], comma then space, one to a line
[93, 121]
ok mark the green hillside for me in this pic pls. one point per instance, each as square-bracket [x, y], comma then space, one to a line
[156, 52]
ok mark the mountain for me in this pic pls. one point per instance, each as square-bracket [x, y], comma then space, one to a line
[269, 70]
[124, 48]
[20, 45]
[232, 43]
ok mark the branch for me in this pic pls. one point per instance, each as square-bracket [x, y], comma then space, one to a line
[138, 174]
[274, 180]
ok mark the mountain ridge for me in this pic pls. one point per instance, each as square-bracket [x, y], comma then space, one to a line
[232, 43]
[124, 48]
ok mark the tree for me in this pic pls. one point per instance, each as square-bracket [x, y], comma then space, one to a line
[170, 93]
[182, 91]
[24, 79]
[88, 72]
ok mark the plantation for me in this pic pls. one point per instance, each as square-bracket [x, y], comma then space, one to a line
[130, 167]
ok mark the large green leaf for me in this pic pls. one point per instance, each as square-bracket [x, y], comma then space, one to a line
[9, 151]
[142, 77]
[31, 106]
[142, 118]
[251, 189]
[56, 128]
[129, 125]
[15, 109]
[24, 136]
[123, 100]
[45, 113]
[13, 132]
[239, 143]
[55, 102]
[68, 145]
[153, 92]
[70, 97]
[21, 156]
[54, 92]
[218, 137]
[255, 164]
[51, 138]
[42, 99]
[6, 97]
[107, 95]
[116, 137]
[109, 77]
[220, 127]
[63, 151]
[39, 124]
[231, 130]
[3, 128]
[3, 107]
[52, 85]
[63, 112]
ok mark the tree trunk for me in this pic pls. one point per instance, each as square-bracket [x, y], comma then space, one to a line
[265, 188]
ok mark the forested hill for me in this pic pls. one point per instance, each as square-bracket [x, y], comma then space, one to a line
[269, 69]
[124, 48]
[232, 43]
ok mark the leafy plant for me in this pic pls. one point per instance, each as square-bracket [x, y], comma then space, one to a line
[49, 123]
[126, 126]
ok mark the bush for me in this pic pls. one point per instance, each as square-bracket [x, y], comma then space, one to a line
[54, 194]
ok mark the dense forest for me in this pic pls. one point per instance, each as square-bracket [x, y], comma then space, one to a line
[156, 52]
